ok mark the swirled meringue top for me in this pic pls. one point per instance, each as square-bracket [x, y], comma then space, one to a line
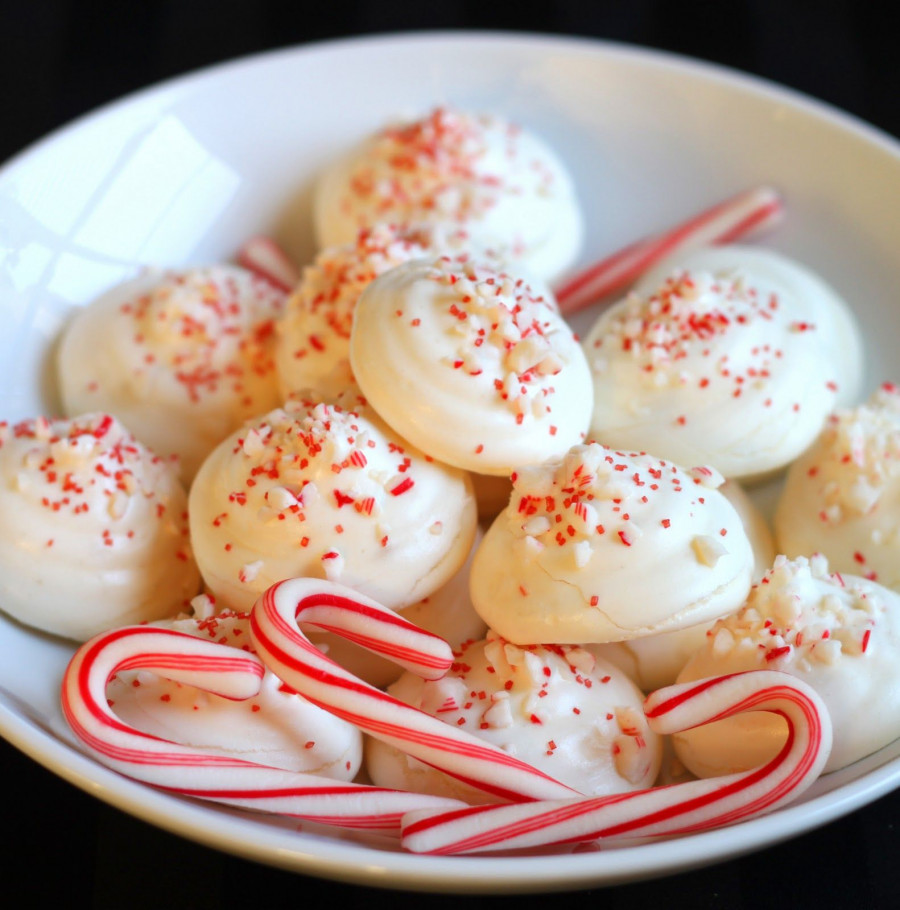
[313, 336]
[734, 359]
[501, 183]
[470, 364]
[93, 528]
[557, 708]
[181, 358]
[276, 727]
[838, 633]
[606, 546]
[842, 496]
[327, 491]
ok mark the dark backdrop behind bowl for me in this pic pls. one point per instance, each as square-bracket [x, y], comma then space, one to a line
[61, 58]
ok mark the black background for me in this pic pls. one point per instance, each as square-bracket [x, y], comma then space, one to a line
[60, 58]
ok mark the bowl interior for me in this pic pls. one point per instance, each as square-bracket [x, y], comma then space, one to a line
[184, 172]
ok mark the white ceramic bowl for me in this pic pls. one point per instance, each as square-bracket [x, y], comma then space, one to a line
[183, 172]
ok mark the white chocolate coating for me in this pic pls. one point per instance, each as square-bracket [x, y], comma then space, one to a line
[93, 528]
[277, 727]
[654, 661]
[471, 365]
[324, 491]
[839, 634]
[605, 546]
[559, 709]
[502, 184]
[841, 498]
[448, 613]
[734, 358]
[181, 358]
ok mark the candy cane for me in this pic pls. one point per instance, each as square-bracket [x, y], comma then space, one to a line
[662, 811]
[267, 259]
[334, 608]
[742, 216]
[176, 768]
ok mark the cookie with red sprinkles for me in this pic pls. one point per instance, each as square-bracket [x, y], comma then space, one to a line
[326, 490]
[471, 364]
[731, 356]
[838, 633]
[479, 172]
[604, 546]
[93, 528]
[182, 358]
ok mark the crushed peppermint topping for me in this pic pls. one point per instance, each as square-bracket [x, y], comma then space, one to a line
[441, 168]
[801, 615]
[504, 328]
[597, 493]
[212, 329]
[856, 458]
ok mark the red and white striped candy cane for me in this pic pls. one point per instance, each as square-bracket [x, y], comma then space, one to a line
[185, 770]
[267, 259]
[740, 217]
[661, 811]
[289, 654]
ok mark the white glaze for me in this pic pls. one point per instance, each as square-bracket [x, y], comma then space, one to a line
[838, 633]
[731, 356]
[502, 184]
[326, 490]
[841, 498]
[181, 358]
[605, 546]
[470, 364]
[654, 661]
[93, 528]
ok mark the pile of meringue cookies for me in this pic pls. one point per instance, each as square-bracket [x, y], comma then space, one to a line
[416, 421]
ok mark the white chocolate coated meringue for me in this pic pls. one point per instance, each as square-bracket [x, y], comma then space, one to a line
[93, 528]
[325, 491]
[502, 184]
[181, 358]
[557, 708]
[470, 364]
[277, 727]
[840, 634]
[732, 357]
[607, 546]
[654, 661]
[841, 498]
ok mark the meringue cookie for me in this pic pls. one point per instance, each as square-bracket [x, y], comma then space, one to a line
[181, 358]
[313, 336]
[841, 498]
[769, 272]
[277, 727]
[500, 183]
[654, 661]
[608, 546]
[93, 528]
[575, 718]
[326, 491]
[470, 365]
[840, 634]
[731, 361]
